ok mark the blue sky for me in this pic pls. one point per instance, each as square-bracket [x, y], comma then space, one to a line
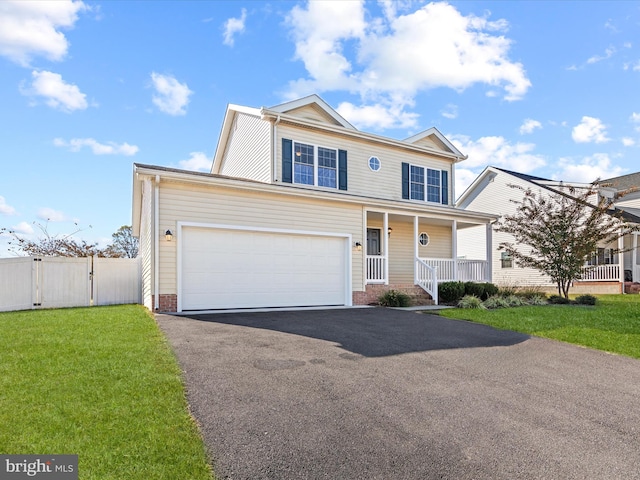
[89, 88]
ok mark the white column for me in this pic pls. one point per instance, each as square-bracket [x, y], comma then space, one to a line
[416, 226]
[621, 258]
[489, 254]
[634, 258]
[454, 248]
[385, 246]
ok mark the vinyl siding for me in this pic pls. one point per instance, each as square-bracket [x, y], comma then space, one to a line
[495, 198]
[402, 242]
[310, 112]
[386, 183]
[221, 205]
[145, 249]
[248, 153]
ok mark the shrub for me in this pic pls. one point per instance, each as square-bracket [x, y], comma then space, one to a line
[471, 302]
[515, 301]
[558, 300]
[394, 298]
[537, 300]
[530, 292]
[586, 300]
[480, 289]
[450, 292]
[506, 290]
[496, 301]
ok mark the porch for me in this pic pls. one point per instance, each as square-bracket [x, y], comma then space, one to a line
[420, 250]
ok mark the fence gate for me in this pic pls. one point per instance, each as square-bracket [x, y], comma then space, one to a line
[56, 282]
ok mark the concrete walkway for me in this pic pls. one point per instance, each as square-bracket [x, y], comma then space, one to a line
[389, 394]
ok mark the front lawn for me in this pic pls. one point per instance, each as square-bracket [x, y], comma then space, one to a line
[99, 382]
[613, 325]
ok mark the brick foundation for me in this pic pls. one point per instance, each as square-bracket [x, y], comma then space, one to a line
[372, 292]
[167, 303]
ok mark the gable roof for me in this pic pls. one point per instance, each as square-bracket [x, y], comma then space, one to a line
[315, 101]
[624, 182]
[433, 132]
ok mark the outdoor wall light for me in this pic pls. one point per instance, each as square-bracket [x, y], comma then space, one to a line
[389, 230]
[358, 246]
[168, 235]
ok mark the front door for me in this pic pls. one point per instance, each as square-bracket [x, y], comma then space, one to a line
[373, 241]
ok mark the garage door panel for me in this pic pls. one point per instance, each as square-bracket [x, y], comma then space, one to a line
[244, 269]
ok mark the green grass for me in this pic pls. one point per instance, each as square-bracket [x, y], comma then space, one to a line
[613, 325]
[99, 382]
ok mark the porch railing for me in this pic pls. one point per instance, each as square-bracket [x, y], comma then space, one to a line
[376, 268]
[459, 269]
[427, 278]
[600, 272]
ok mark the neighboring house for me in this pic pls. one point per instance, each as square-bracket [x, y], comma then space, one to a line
[301, 209]
[606, 271]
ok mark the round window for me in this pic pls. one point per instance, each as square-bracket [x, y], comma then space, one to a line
[423, 239]
[374, 164]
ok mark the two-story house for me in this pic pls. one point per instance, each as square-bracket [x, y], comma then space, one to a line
[302, 209]
[606, 271]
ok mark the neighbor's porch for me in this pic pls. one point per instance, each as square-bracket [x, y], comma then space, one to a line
[607, 266]
[403, 249]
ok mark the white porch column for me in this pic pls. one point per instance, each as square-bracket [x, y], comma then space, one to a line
[454, 248]
[489, 254]
[416, 226]
[385, 246]
[621, 258]
[634, 258]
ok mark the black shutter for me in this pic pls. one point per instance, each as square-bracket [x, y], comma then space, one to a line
[445, 187]
[287, 164]
[405, 180]
[342, 169]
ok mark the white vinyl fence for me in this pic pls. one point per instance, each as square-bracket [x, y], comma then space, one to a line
[55, 282]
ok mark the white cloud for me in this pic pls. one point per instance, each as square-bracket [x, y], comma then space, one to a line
[464, 178]
[635, 117]
[589, 130]
[628, 142]
[29, 29]
[588, 169]
[378, 117]
[23, 228]
[388, 69]
[171, 96]
[6, 209]
[499, 152]
[198, 162]
[529, 126]
[233, 26]
[608, 53]
[57, 93]
[450, 111]
[109, 148]
[51, 215]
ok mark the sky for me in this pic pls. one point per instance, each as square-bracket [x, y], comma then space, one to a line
[88, 88]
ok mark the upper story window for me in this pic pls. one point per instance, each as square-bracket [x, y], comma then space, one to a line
[308, 164]
[374, 164]
[421, 183]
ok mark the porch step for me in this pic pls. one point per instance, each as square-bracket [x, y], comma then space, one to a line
[418, 296]
[631, 287]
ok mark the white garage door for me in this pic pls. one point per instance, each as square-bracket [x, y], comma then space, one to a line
[247, 269]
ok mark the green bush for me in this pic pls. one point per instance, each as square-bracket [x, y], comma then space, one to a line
[558, 300]
[480, 289]
[530, 292]
[496, 301]
[472, 302]
[537, 300]
[490, 290]
[586, 300]
[515, 301]
[506, 290]
[450, 292]
[394, 298]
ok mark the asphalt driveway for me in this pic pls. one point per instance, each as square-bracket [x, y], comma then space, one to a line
[388, 394]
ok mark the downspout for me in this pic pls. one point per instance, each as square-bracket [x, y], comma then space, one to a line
[156, 244]
[273, 150]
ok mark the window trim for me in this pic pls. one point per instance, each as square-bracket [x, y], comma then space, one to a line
[425, 184]
[506, 260]
[372, 157]
[420, 239]
[316, 166]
